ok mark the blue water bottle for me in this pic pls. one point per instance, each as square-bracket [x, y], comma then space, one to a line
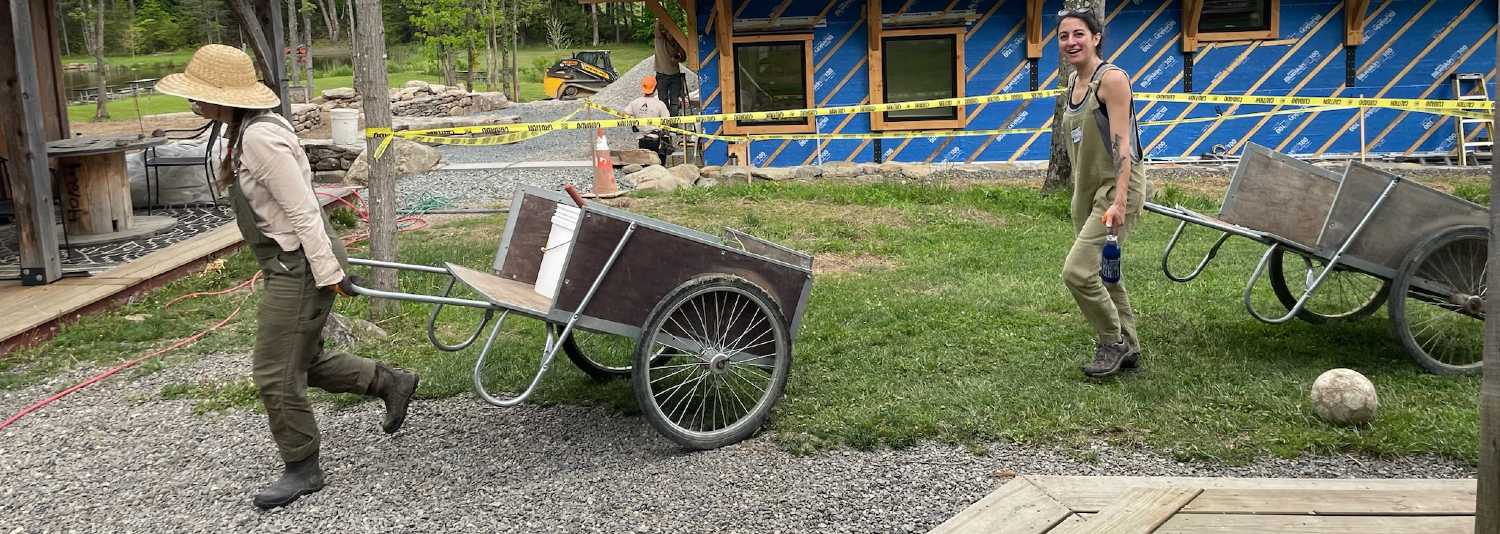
[1109, 267]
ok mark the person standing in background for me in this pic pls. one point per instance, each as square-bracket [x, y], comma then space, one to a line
[670, 81]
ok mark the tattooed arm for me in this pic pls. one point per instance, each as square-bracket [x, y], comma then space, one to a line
[1114, 91]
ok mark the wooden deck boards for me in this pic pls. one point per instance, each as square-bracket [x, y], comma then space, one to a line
[1222, 505]
[24, 309]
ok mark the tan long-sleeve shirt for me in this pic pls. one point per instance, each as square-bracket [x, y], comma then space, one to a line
[276, 178]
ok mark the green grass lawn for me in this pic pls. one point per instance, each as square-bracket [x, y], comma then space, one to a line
[942, 317]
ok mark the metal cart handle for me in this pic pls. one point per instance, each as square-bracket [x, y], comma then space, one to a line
[432, 324]
[1166, 257]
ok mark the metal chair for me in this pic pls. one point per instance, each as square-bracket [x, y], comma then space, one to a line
[155, 162]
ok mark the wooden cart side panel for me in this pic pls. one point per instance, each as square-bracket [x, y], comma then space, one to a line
[1410, 215]
[654, 263]
[1279, 194]
[528, 233]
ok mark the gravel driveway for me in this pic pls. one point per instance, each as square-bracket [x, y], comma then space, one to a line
[117, 458]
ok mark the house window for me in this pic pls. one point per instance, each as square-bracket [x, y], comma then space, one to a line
[919, 64]
[772, 76]
[1226, 20]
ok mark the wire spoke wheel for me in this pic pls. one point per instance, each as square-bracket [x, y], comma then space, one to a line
[719, 352]
[1344, 295]
[1437, 301]
[601, 356]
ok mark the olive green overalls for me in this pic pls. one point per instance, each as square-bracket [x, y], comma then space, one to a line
[289, 353]
[1094, 172]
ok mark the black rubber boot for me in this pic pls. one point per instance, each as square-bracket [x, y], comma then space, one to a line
[300, 478]
[396, 387]
[1107, 360]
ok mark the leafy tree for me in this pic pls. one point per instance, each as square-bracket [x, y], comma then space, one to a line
[157, 28]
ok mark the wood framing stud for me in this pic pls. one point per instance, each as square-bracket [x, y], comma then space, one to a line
[1354, 22]
[1034, 42]
[1191, 11]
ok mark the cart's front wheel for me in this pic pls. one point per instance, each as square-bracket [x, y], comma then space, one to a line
[712, 362]
[1437, 301]
[1344, 295]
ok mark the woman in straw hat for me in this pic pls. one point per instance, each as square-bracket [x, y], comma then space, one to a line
[270, 187]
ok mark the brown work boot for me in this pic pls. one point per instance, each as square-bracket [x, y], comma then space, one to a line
[300, 478]
[396, 387]
[1108, 358]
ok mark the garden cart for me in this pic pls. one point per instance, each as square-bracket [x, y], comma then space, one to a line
[1340, 246]
[707, 321]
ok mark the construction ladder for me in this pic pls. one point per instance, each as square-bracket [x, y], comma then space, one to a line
[1464, 84]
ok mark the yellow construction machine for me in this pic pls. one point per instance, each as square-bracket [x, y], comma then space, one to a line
[584, 74]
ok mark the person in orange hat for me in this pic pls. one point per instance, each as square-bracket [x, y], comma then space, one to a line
[270, 187]
[648, 106]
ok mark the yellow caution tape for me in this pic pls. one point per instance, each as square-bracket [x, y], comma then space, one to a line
[511, 133]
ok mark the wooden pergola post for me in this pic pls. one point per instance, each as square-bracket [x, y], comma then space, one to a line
[1487, 520]
[261, 20]
[26, 148]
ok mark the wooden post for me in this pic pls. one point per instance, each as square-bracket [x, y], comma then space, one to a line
[30, 180]
[261, 19]
[373, 87]
[1487, 521]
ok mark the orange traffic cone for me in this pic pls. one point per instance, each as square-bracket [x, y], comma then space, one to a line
[604, 167]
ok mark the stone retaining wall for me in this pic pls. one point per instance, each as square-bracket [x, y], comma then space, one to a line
[330, 161]
[421, 99]
[306, 117]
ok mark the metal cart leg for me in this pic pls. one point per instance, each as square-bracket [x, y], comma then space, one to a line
[432, 324]
[1333, 262]
[1166, 257]
[553, 345]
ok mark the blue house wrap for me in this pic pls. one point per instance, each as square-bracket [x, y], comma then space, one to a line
[1410, 48]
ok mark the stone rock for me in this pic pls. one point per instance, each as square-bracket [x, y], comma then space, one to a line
[437, 88]
[411, 158]
[341, 331]
[775, 174]
[892, 170]
[840, 169]
[869, 169]
[687, 175]
[736, 173]
[458, 111]
[918, 171]
[636, 156]
[415, 84]
[632, 168]
[711, 171]
[341, 93]
[325, 165]
[329, 177]
[707, 182]
[808, 172]
[654, 177]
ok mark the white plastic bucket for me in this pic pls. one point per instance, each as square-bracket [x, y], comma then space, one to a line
[346, 126]
[559, 242]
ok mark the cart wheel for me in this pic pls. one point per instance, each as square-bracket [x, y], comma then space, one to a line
[719, 352]
[1344, 295]
[1437, 301]
[601, 356]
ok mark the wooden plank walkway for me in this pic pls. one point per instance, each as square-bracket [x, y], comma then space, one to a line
[29, 314]
[1145, 505]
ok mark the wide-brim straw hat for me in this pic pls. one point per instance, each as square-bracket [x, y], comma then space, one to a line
[221, 75]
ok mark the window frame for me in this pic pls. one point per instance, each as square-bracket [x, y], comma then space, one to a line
[731, 87]
[878, 121]
[1273, 32]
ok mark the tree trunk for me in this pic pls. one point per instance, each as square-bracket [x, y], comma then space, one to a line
[1059, 172]
[307, 68]
[330, 12]
[101, 110]
[594, 19]
[515, 49]
[469, 75]
[372, 85]
[293, 34]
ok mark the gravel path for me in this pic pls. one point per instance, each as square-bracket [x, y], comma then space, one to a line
[486, 187]
[117, 458]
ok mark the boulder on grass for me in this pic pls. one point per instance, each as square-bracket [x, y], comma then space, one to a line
[654, 178]
[632, 168]
[736, 174]
[686, 174]
[636, 156]
[775, 174]
[340, 93]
